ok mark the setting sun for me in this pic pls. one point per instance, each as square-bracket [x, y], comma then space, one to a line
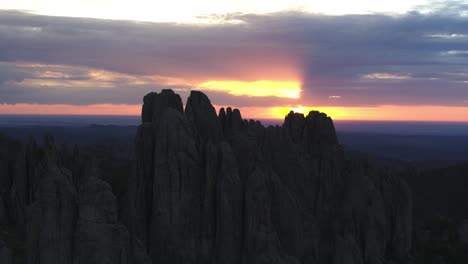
[233, 131]
[371, 113]
[287, 89]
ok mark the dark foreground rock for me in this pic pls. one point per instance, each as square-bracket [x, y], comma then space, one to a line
[218, 189]
[69, 215]
[99, 237]
[207, 188]
[463, 232]
[5, 254]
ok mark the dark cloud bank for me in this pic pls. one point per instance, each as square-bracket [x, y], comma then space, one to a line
[410, 59]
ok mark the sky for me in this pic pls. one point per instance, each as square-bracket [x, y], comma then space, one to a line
[354, 60]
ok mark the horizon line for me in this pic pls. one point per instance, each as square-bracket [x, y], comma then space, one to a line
[256, 119]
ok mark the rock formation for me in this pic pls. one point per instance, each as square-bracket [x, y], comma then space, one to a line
[68, 218]
[207, 188]
[218, 189]
[463, 232]
[5, 254]
[99, 237]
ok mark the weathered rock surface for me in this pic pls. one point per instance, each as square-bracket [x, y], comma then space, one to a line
[5, 254]
[51, 216]
[51, 219]
[463, 232]
[62, 225]
[99, 237]
[219, 189]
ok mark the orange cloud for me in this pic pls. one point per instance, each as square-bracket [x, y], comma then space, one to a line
[283, 89]
[65, 76]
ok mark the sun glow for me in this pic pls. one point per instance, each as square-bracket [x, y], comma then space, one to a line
[280, 112]
[376, 113]
[286, 89]
[371, 113]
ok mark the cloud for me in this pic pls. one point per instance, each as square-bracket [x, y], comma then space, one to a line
[386, 76]
[374, 59]
[456, 53]
[77, 85]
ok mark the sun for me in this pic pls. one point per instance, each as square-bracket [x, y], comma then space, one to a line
[261, 88]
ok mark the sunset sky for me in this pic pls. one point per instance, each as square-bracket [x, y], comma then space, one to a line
[355, 60]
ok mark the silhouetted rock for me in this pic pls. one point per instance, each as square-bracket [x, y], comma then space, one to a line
[5, 254]
[154, 104]
[4, 219]
[202, 114]
[463, 232]
[99, 237]
[51, 219]
[228, 199]
[177, 193]
[65, 226]
[222, 190]
[208, 189]
[140, 186]
[13, 187]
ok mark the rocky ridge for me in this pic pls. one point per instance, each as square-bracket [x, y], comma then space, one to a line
[214, 188]
[208, 188]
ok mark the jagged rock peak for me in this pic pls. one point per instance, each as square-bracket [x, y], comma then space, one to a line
[324, 125]
[220, 189]
[315, 128]
[203, 115]
[295, 123]
[313, 117]
[154, 104]
[231, 120]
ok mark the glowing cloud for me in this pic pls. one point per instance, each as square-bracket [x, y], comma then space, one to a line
[262, 88]
[448, 36]
[387, 76]
[67, 76]
[455, 52]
